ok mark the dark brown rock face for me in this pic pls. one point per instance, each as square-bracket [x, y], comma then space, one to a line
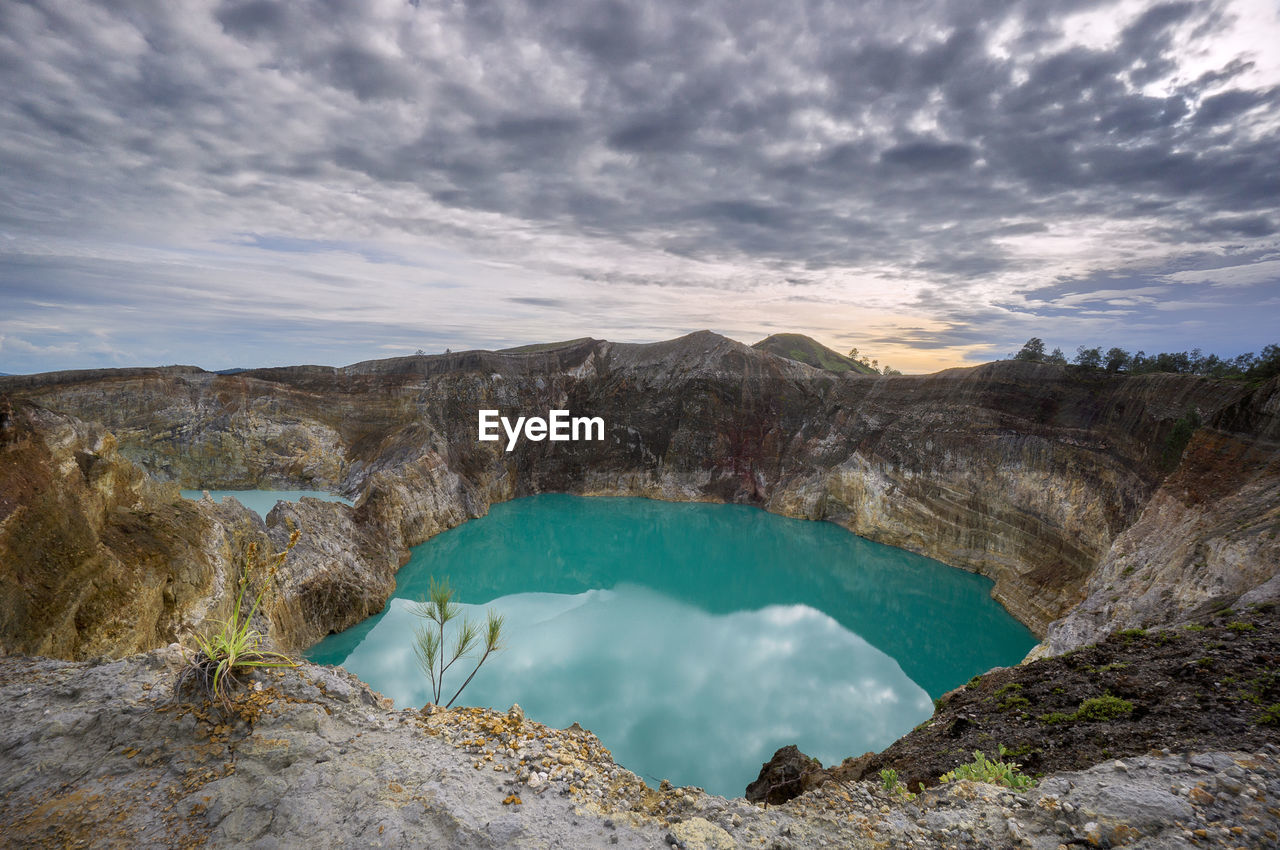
[786, 776]
[1025, 472]
[1182, 689]
[7, 427]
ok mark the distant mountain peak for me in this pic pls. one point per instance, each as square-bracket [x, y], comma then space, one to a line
[809, 351]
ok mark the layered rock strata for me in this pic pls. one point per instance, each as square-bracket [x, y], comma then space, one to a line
[1034, 475]
[1208, 537]
[1093, 501]
[97, 558]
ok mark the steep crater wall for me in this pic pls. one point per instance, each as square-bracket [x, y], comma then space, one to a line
[1025, 472]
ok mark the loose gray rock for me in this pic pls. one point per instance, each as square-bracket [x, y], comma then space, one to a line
[100, 754]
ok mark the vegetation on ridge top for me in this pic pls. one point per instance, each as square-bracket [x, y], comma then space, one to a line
[813, 353]
[1251, 367]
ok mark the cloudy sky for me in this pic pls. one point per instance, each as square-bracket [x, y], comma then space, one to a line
[255, 183]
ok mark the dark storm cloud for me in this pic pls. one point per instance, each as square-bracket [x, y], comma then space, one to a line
[929, 156]
[796, 135]
[1228, 226]
[1228, 105]
[368, 75]
[258, 17]
[702, 102]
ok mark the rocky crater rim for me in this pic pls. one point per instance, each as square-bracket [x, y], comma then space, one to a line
[1101, 505]
[101, 752]
[1060, 484]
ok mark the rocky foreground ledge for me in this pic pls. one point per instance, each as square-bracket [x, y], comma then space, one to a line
[99, 754]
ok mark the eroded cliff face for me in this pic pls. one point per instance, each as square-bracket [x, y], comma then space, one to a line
[341, 571]
[1028, 473]
[98, 558]
[95, 557]
[1208, 538]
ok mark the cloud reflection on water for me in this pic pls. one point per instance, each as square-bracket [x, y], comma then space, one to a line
[674, 691]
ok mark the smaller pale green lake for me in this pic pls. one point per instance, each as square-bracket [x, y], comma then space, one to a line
[694, 639]
[262, 501]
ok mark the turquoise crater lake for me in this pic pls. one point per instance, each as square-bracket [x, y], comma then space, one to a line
[262, 501]
[693, 639]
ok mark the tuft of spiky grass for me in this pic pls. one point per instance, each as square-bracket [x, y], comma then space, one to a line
[235, 647]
